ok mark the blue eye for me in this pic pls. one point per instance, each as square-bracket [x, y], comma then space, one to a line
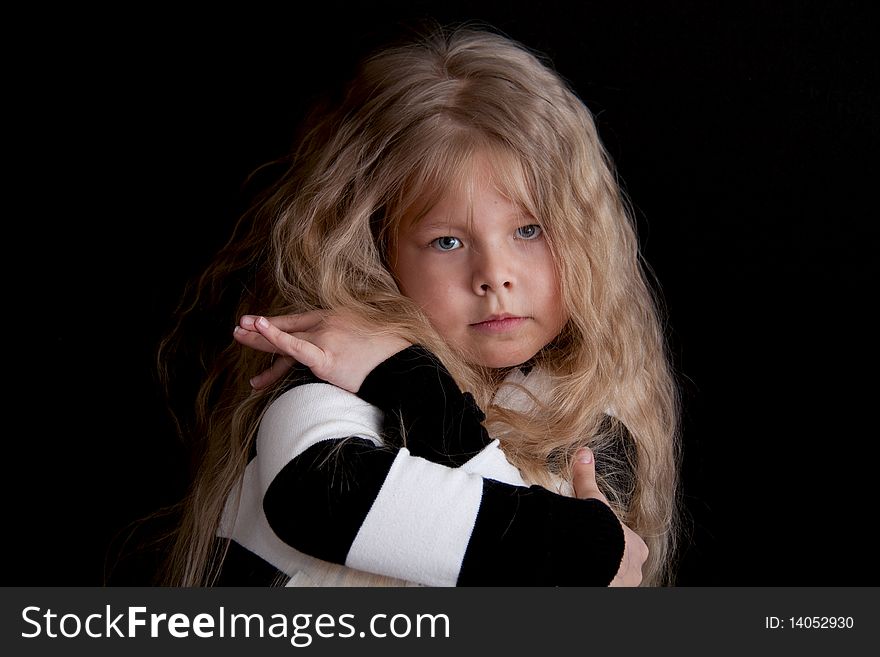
[529, 232]
[446, 243]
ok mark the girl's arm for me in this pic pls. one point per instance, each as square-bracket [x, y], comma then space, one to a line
[423, 512]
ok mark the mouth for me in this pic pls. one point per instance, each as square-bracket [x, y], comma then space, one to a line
[499, 323]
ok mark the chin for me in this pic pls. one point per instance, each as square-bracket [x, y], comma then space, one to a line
[502, 359]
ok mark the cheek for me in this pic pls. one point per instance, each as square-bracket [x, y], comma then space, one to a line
[406, 273]
[433, 291]
[437, 298]
[543, 280]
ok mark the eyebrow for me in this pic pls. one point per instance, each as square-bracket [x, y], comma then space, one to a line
[439, 224]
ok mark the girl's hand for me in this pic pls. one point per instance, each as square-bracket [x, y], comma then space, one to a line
[332, 345]
[635, 552]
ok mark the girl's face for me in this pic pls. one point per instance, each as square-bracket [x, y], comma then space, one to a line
[481, 269]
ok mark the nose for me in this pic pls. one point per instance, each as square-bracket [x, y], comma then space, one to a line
[492, 270]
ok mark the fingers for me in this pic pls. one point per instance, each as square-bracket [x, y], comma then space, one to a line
[279, 367]
[303, 351]
[267, 377]
[251, 338]
[246, 332]
[275, 337]
[289, 323]
[584, 476]
[635, 552]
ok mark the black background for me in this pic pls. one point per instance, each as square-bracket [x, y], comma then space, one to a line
[745, 135]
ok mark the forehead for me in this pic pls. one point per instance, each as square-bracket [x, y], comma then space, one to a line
[495, 170]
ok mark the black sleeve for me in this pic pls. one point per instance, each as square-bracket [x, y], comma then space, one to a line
[533, 537]
[424, 408]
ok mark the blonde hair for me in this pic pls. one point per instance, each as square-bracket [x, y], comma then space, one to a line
[410, 122]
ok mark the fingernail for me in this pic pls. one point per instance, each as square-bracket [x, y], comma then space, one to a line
[253, 385]
[238, 329]
[247, 321]
[263, 322]
[584, 455]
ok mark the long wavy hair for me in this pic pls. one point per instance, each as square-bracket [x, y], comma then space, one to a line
[406, 128]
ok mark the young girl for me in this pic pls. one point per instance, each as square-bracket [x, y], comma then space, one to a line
[448, 262]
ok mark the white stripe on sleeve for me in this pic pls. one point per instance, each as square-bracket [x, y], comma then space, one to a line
[420, 523]
[306, 415]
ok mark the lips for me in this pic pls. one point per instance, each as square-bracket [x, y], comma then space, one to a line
[499, 323]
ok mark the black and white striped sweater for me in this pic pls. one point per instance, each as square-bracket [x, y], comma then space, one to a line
[335, 495]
